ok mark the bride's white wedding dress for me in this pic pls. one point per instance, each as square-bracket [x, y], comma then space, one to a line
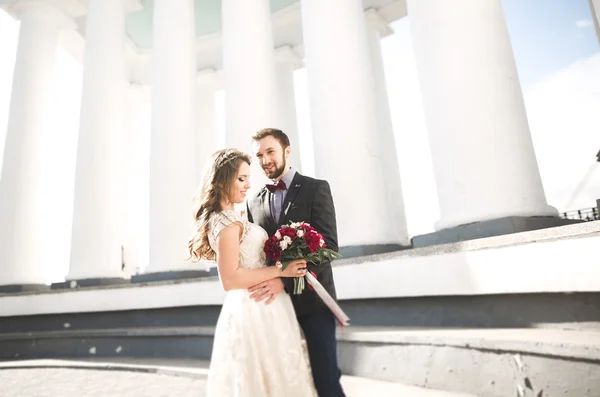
[257, 350]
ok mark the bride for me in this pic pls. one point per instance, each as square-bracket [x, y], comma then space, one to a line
[257, 349]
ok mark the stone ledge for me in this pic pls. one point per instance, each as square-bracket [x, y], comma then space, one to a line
[578, 230]
[23, 288]
[568, 311]
[115, 332]
[576, 345]
[170, 275]
[482, 362]
[103, 287]
[575, 231]
[491, 363]
[490, 228]
[89, 282]
[533, 267]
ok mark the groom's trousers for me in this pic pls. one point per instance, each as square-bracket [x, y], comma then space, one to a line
[319, 330]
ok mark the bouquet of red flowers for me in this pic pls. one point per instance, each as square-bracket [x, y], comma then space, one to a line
[298, 240]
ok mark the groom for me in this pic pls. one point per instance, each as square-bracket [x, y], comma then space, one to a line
[294, 198]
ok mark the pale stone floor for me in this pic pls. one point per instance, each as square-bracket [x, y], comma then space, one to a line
[58, 382]
[103, 380]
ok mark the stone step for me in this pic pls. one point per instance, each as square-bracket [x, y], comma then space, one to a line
[567, 343]
[583, 345]
[354, 386]
[149, 342]
[485, 362]
[532, 310]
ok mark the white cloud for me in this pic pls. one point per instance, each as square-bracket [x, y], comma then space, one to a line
[565, 126]
[583, 23]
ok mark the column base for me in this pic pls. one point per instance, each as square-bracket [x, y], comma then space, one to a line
[89, 282]
[353, 251]
[491, 228]
[172, 275]
[17, 288]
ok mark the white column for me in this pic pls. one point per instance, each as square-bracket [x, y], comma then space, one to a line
[172, 164]
[207, 138]
[137, 154]
[595, 10]
[20, 201]
[377, 28]
[287, 61]
[345, 119]
[249, 70]
[206, 135]
[484, 162]
[99, 188]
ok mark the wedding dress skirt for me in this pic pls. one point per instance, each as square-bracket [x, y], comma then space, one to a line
[258, 349]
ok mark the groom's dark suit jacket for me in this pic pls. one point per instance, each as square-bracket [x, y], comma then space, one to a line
[307, 200]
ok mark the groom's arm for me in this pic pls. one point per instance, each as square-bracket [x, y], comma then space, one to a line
[323, 219]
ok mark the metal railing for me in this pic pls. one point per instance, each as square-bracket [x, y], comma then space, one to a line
[588, 214]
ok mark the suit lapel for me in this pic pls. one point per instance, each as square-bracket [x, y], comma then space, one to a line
[293, 190]
[266, 207]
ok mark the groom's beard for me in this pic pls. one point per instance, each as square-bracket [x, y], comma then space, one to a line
[279, 170]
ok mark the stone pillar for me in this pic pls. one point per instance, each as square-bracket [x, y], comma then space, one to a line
[137, 154]
[595, 10]
[287, 61]
[484, 162]
[342, 93]
[100, 197]
[172, 164]
[377, 28]
[206, 135]
[249, 71]
[21, 264]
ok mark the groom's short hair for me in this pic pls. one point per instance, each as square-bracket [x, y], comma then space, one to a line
[275, 133]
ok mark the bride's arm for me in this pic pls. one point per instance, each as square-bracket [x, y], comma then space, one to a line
[235, 277]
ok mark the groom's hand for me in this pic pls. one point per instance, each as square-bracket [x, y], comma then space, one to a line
[266, 290]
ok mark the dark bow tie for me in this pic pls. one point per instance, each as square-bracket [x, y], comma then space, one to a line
[276, 186]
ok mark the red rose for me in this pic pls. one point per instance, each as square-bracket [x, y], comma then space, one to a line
[313, 240]
[272, 249]
[307, 228]
[288, 231]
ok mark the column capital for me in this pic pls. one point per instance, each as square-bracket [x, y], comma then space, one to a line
[288, 55]
[40, 10]
[378, 23]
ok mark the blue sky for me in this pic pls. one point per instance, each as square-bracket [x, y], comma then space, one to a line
[546, 37]
[558, 58]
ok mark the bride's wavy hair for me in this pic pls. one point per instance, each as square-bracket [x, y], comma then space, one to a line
[219, 173]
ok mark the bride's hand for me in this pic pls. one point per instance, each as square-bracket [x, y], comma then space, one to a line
[295, 268]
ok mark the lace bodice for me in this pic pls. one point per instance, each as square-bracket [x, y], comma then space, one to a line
[252, 241]
[250, 359]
